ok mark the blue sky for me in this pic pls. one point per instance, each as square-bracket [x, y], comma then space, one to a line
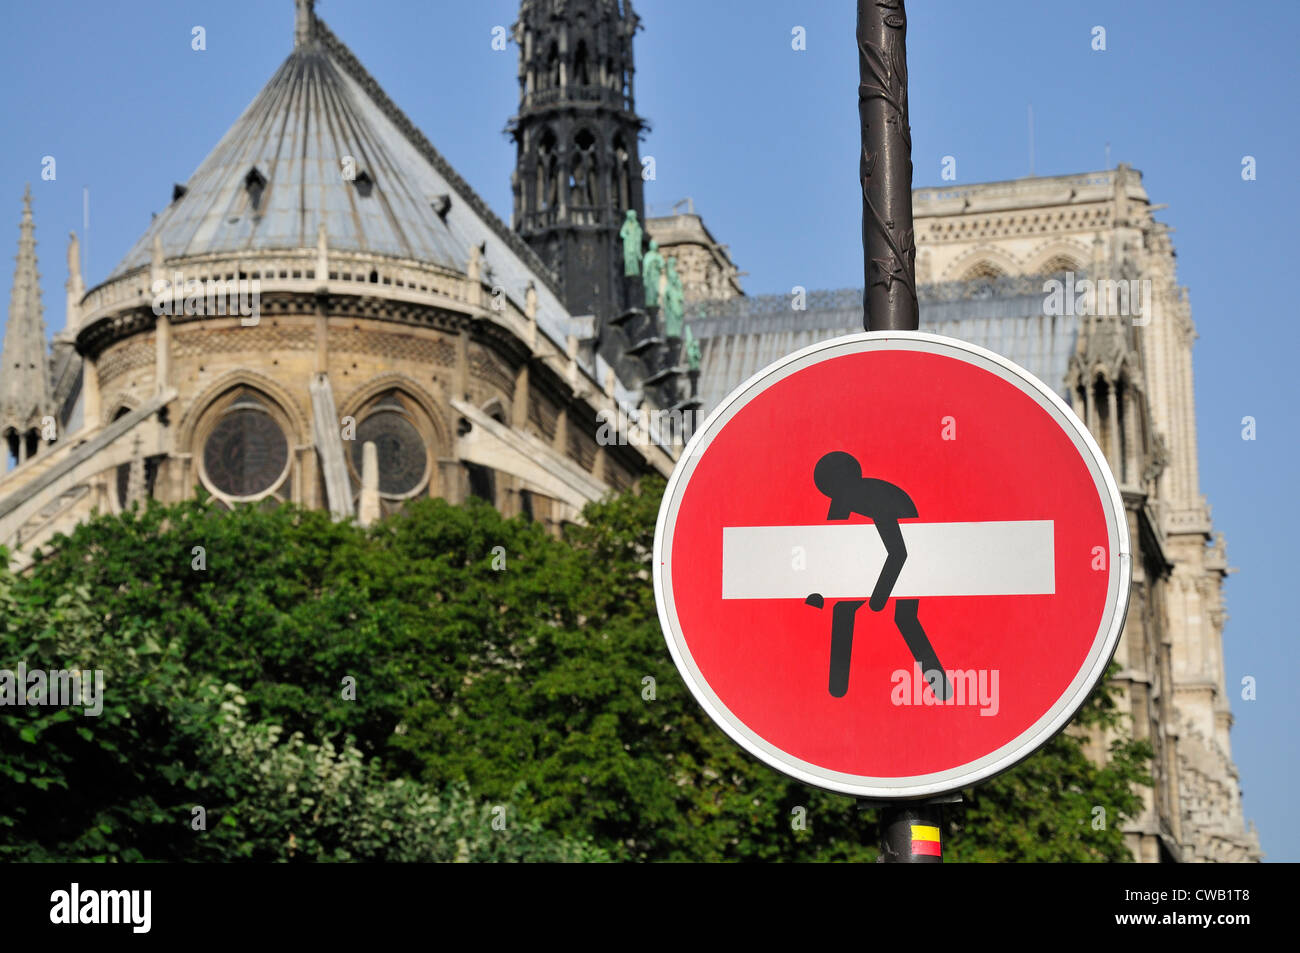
[765, 140]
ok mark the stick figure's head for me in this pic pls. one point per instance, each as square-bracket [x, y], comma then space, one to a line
[836, 472]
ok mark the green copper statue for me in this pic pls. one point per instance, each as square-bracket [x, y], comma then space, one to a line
[691, 347]
[631, 235]
[674, 303]
[652, 267]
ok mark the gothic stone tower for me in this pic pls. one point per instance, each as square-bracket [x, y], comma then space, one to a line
[578, 170]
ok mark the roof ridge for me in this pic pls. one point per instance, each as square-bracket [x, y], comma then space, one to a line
[850, 298]
[349, 61]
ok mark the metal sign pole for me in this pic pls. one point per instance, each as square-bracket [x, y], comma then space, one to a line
[885, 168]
[909, 831]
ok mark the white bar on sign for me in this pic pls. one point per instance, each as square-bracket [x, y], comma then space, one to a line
[842, 561]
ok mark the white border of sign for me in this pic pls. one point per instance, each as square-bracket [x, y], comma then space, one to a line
[1014, 751]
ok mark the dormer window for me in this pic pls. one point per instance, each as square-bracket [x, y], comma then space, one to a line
[255, 184]
[442, 205]
[178, 191]
[364, 183]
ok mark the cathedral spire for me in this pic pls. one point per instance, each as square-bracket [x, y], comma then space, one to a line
[24, 383]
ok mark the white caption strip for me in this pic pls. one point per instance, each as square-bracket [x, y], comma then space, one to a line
[842, 561]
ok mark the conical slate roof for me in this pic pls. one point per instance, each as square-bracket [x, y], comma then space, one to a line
[320, 108]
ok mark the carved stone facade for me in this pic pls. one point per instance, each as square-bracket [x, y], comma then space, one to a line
[1131, 381]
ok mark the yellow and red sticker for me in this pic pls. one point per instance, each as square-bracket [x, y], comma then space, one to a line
[925, 840]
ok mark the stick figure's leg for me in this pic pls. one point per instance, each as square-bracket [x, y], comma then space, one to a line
[920, 647]
[842, 618]
[896, 555]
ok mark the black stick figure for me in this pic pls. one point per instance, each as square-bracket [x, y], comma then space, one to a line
[839, 476]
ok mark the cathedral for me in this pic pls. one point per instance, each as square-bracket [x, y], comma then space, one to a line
[327, 314]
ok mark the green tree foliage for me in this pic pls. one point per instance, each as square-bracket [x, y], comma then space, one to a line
[498, 672]
[289, 799]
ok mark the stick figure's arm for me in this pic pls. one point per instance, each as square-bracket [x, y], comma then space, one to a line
[896, 551]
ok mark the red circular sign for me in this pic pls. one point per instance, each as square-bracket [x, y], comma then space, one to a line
[892, 564]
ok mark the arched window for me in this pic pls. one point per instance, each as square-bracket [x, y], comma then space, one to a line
[123, 474]
[552, 73]
[985, 270]
[582, 177]
[1105, 427]
[1122, 425]
[548, 187]
[1059, 264]
[482, 483]
[245, 450]
[581, 70]
[618, 175]
[402, 436]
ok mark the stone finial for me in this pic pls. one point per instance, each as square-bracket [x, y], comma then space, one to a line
[322, 253]
[571, 354]
[74, 257]
[474, 270]
[1120, 177]
[368, 509]
[304, 22]
[156, 258]
[530, 301]
[75, 287]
